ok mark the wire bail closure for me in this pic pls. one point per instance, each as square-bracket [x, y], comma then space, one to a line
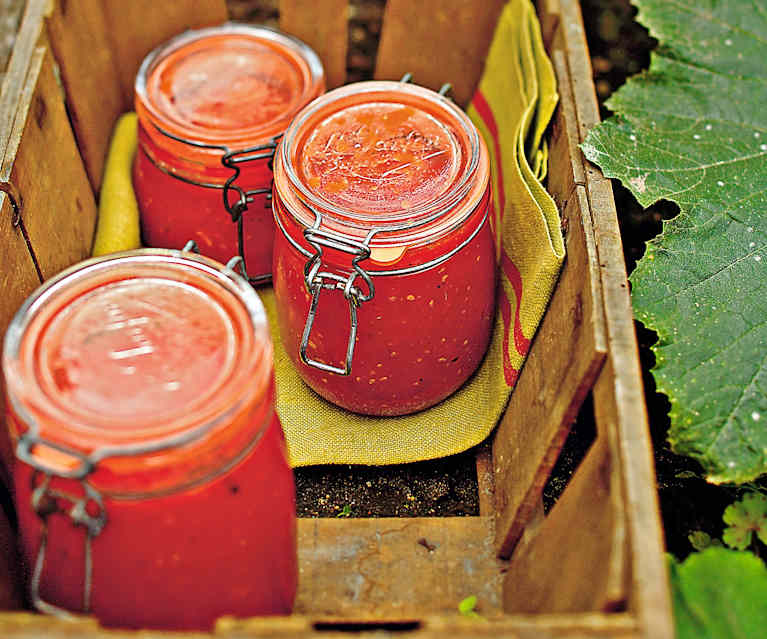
[230, 266]
[233, 159]
[45, 502]
[316, 280]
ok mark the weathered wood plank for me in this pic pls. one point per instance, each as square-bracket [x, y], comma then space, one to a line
[540, 576]
[619, 401]
[649, 596]
[565, 157]
[13, 11]
[485, 480]
[43, 163]
[138, 26]
[437, 41]
[395, 568]
[554, 382]
[615, 626]
[549, 17]
[18, 278]
[324, 27]
[81, 43]
[27, 40]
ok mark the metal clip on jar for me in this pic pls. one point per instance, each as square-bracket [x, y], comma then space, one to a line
[382, 198]
[212, 104]
[151, 481]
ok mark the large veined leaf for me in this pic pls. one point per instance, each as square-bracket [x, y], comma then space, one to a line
[693, 130]
[719, 593]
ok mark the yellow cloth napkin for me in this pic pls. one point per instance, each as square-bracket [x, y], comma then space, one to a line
[511, 108]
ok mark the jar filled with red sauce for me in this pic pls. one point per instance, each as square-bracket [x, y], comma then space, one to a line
[211, 105]
[151, 478]
[384, 265]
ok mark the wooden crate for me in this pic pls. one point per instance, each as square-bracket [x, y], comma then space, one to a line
[594, 565]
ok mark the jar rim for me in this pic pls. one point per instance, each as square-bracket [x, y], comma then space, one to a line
[453, 206]
[35, 406]
[295, 52]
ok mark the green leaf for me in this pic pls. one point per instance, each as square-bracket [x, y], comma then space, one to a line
[693, 130]
[467, 607]
[346, 511]
[743, 519]
[699, 539]
[719, 593]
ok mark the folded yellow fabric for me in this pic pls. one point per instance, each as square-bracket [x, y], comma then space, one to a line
[511, 108]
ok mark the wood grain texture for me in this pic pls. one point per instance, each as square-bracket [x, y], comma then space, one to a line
[626, 412]
[138, 26]
[18, 278]
[437, 41]
[595, 549]
[395, 568]
[30, 35]
[619, 402]
[565, 158]
[485, 480]
[555, 380]
[43, 163]
[94, 95]
[615, 626]
[324, 27]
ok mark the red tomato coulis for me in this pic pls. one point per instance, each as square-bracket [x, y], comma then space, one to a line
[204, 528]
[235, 86]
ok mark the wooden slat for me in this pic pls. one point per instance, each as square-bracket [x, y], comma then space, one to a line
[649, 597]
[565, 157]
[437, 41]
[438, 627]
[395, 569]
[18, 278]
[616, 626]
[43, 163]
[94, 94]
[485, 480]
[138, 26]
[554, 382]
[27, 40]
[619, 401]
[549, 18]
[324, 27]
[9, 26]
[540, 576]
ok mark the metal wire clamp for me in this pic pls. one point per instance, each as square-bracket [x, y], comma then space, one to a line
[235, 207]
[87, 510]
[46, 502]
[316, 280]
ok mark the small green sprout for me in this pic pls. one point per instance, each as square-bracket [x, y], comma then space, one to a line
[700, 540]
[346, 511]
[467, 607]
[743, 519]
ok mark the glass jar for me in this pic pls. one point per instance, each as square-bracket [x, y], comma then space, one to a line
[151, 478]
[384, 266]
[211, 105]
